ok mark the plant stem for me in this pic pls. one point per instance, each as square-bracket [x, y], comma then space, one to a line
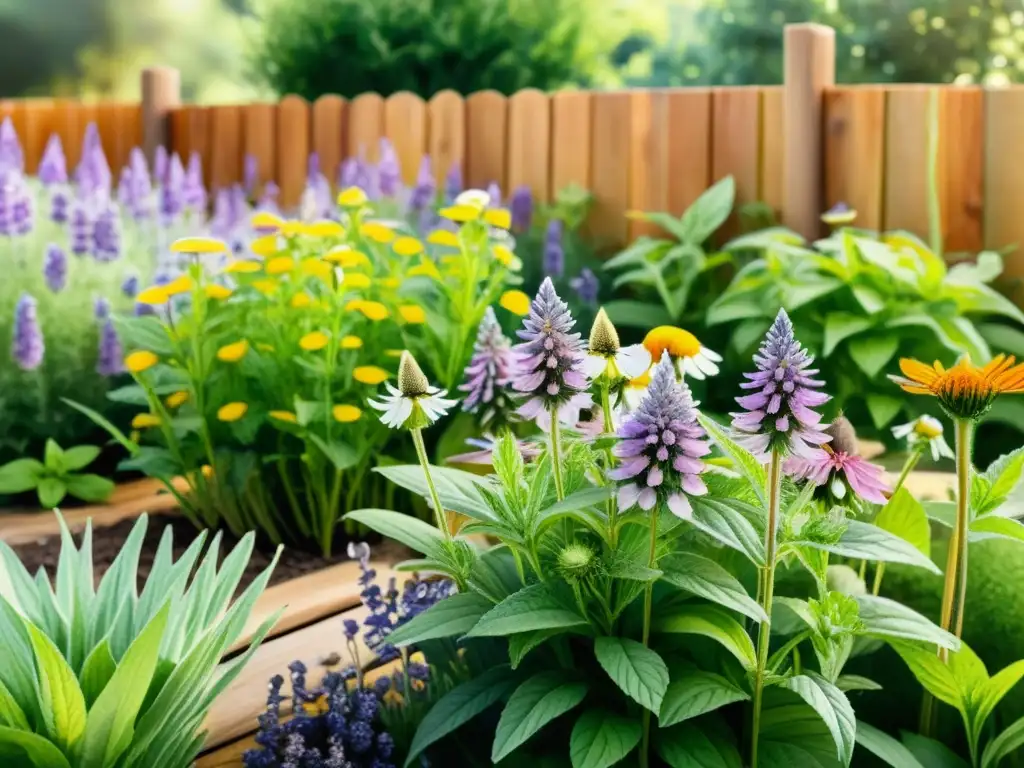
[606, 412]
[908, 467]
[556, 455]
[764, 630]
[652, 559]
[963, 519]
[421, 452]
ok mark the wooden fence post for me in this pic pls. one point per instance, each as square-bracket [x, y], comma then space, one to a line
[161, 93]
[809, 54]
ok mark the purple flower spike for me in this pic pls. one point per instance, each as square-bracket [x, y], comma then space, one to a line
[101, 308]
[587, 287]
[494, 192]
[521, 207]
[778, 415]
[453, 182]
[11, 156]
[130, 286]
[550, 369]
[53, 168]
[59, 204]
[268, 202]
[193, 191]
[80, 229]
[55, 268]
[490, 371]
[160, 164]
[661, 447]
[93, 172]
[24, 210]
[389, 171]
[27, 346]
[425, 189]
[109, 360]
[106, 236]
[554, 254]
[8, 197]
[172, 192]
[250, 175]
[140, 186]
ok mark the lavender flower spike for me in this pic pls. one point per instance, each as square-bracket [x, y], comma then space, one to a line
[27, 347]
[11, 155]
[389, 171]
[587, 287]
[779, 415]
[193, 192]
[55, 268]
[550, 362]
[453, 182]
[53, 168]
[489, 372]
[109, 360]
[662, 446]
[554, 253]
[521, 207]
[425, 189]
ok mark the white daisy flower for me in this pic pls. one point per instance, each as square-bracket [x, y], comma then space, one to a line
[414, 404]
[691, 357]
[925, 429]
[605, 356]
[475, 198]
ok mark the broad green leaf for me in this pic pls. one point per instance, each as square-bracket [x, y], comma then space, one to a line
[20, 475]
[99, 667]
[931, 753]
[80, 457]
[52, 491]
[932, 673]
[987, 696]
[29, 750]
[856, 683]
[452, 617]
[533, 705]
[342, 455]
[534, 607]
[883, 408]
[731, 522]
[869, 542]
[1003, 476]
[904, 516]
[1006, 744]
[459, 706]
[101, 421]
[693, 745]
[601, 739]
[743, 460]
[842, 325]
[521, 644]
[831, 705]
[573, 503]
[994, 526]
[706, 578]
[639, 671]
[713, 622]
[708, 212]
[887, 618]
[793, 734]
[60, 699]
[414, 533]
[92, 488]
[112, 718]
[459, 491]
[873, 353]
[695, 693]
[627, 313]
[11, 712]
[885, 747]
[870, 300]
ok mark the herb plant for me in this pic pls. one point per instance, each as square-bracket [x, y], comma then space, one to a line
[56, 476]
[109, 676]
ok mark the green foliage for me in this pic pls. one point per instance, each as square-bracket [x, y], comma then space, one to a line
[110, 677]
[351, 47]
[56, 476]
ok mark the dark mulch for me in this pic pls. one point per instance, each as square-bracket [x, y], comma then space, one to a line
[107, 542]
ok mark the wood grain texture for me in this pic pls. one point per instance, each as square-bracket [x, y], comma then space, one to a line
[447, 134]
[34, 121]
[67, 123]
[689, 146]
[486, 139]
[228, 146]
[260, 139]
[648, 162]
[906, 159]
[365, 126]
[529, 144]
[773, 148]
[855, 151]
[962, 160]
[735, 146]
[292, 148]
[405, 125]
[609, 168]
[570, 140]
[328, 134]
[1004, 183]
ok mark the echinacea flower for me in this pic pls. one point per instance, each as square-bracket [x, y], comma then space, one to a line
[414, 404]
[838, 467]
[691, 357]
[964, 391]
[779, 415]
[661, 447]
[551, 362]
[490, 371]
[925, 430]
[608, 359]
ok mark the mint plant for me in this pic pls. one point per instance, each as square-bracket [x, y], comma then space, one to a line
[57, 476]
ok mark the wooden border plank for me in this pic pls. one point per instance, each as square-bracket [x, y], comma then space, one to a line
[735, 146]
[649, 155]
[773, 148]
[1004, 183]
[962, 158]
[570, 140]
[405, 125]
[259, 132]
[365, 126]
[529, 143]
[447, 134]
[228, 146]
[906, 159]
[486, 139]
[609, 168]
[292, 148]
[689, 147]
[855, 151]
[329, 134]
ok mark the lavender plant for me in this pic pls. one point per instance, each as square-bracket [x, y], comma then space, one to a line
[596, 670]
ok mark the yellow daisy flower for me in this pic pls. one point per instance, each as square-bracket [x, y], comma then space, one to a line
[373, 310]
[460, 213]
[356, 280]
[503, 255]
[199, 245]
[242, 266]
[176, 399]
[498, 217]
[352, 197]
[215, 291]
[390, 282]
[344, 256]
[412, 314]
[314, 341]
[370, 374]
[443, 237]
[516, 302]
[288, 416]
[232, 411]
[292, 228]
[266, 220]
[351, 342]
[153, 295]
[279, 265]
[378, 232]
[316, 268]
[346, 413]
[300, 301]
[407, 246]
[325, 228]
[232, 353]
[145, 420]
[425, 268]
[182, 284]
[265, 246]
[140, 361]
[267, 287]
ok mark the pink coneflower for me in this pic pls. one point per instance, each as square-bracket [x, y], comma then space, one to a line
[838, 467]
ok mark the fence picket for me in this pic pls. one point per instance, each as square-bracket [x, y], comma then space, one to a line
[292, 148]
[447, 135]
[855, 151]
[329, 134]
[486, 139]
[259, 135]
[571, 123]
[365, 126]
[529, 143]
[405, 124]
[735, 149]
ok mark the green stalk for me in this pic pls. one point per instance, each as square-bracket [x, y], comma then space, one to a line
[764, 630]
[606, 411]
[963, 518]
[421, 453]
[556, 455]
[652, 559]
[908, 467]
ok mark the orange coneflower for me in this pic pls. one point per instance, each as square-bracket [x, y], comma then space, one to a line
[964, 391]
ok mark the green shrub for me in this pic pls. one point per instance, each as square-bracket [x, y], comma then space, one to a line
[350, 47]
[103, 677]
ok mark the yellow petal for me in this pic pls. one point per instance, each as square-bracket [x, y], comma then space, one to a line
[215, 291]
[516, 302]
[378, 232]
[460, 213]
[199, 245]
[293, 228]
[443, 237]
[425, 268]
[300, 301]
[356, 280]
[344, 256]
[407, 246]
[314, 341]
[346, 413]
[242, 266]
[412, 314]
[498, 217]
[288, 416]
[232, 353]
[182, 284]
[266, 220]
[153, 295]
[354, 304]
[137, 362]
[267, 245]
[266, 287]
[503, 255]
[353, 197]
[280, 265]
[390, 282]
[374, 310]
[176, 399]
[232, 411]
[325, 228]
[144, 420]
[316, 268]
[351, 342]
[370, 374]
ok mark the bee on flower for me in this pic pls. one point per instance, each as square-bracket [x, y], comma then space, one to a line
[691, 358]
[924, 431]
[414, 403]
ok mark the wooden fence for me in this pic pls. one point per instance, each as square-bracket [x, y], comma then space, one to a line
[800, 147]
